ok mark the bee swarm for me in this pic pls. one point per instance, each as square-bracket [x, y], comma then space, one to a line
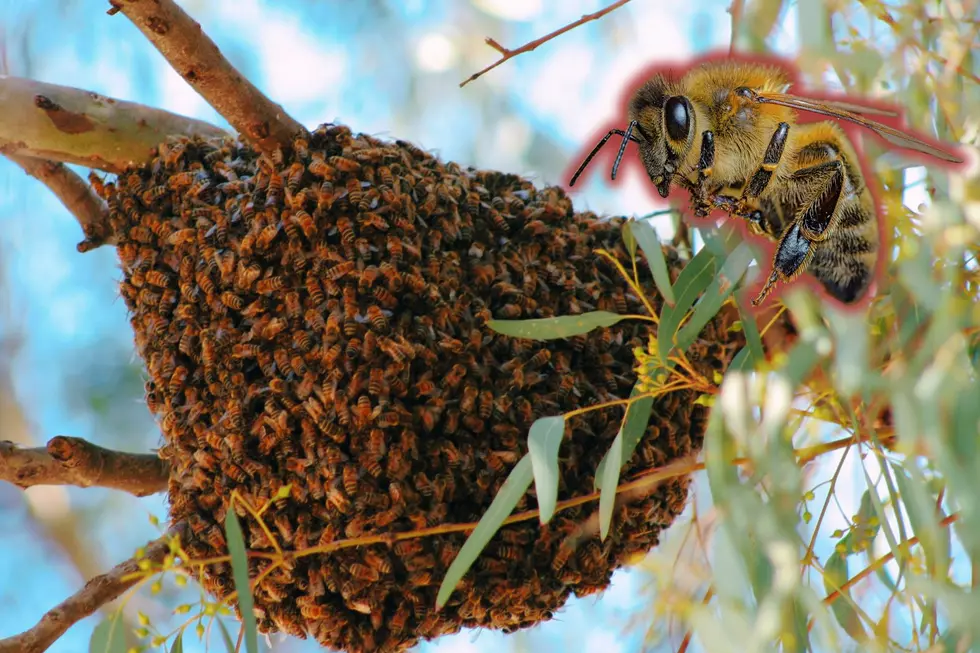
[318, 320]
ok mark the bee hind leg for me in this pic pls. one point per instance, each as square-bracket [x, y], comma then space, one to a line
[811, 226]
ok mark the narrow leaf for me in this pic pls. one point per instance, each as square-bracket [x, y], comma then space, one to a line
[108, 636]
[834, 576]
[646, 236]
[500, 508]
[628, 238]
[610, 482]
[717, 293]
[543, 443]
[637, 421]
[753, 339]
[226, 636]
[693, 279]
[554, 328]
[239, 567]
[178, 645]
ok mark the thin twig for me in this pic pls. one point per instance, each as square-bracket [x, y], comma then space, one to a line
[73, 461]
[96, 593]
[71, 125]
[75, 194]
[196, 58]
[736, 10]
[527, 47]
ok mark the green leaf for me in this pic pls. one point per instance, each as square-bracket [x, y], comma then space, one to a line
[178, 645]
[239, 568]
[226, 636]
[802, 359]
[850, 331]
[108, 636]
[500, 508]
[921, 510]
[753, 339]
[693, 279]
[834, 576]
[637, 421]
[742, 361]
[718, 292]
[610, 482]
[554, 328]
[543, 443]
[646, 235]
[628, 238]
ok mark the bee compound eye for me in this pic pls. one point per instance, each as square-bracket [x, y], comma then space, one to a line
[677, 118]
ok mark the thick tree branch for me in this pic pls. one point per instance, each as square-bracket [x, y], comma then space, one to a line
[197, 59]
[76, 195]
[70, 125]
[507, 53]
[96, 593]
[73, 461]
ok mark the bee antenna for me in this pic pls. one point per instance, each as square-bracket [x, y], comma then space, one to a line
[627, 136]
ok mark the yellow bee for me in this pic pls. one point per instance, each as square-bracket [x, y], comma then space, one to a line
[727, 132]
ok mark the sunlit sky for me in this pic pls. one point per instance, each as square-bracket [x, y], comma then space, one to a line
[395, 76]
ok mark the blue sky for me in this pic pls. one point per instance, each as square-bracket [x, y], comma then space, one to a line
[392, 72]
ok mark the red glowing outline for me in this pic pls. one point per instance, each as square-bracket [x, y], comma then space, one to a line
[854, 133]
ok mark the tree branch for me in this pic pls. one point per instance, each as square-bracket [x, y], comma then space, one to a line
[527, 47]
[75, 194]
[73, 461]
[196, 58]
[70, 125]
[96, 593]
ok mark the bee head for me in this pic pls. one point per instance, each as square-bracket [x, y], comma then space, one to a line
[665, 126]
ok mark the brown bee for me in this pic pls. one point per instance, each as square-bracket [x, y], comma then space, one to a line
[344, 164]
[157, 278]
[320, 168]
[454, 377]
[350, 480]
[396, 248]
[377, 318]
[269, 285]
[337, 499]
[468, 401]
[373, 220]
[305, 222]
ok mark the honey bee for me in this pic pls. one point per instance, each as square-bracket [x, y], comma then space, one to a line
[319, 168]
[727, 132]
[344, 164]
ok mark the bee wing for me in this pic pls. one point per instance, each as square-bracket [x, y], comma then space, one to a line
[836, 110]
[841, 105]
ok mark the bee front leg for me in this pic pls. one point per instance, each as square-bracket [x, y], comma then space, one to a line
[812, 224]
[763, 174]
[706, 161]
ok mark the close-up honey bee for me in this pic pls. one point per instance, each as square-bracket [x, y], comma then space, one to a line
[728, 133]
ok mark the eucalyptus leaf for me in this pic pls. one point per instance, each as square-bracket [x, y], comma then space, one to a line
[610, 483]
[226, 636]
[693, 279]
[178, 644]
[635, 427]
[239, 567]
[717, 293]
[500, 508]
[628, 238]
[108, 636]
[555, 328]
[649, 241]
[834, 577]
[543, 442]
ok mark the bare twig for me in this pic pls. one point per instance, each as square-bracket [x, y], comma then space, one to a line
[76, 195]
[70, 125]
[73, 461]
[736, 9]
[96, 593]
[527, 47]
[196, 58]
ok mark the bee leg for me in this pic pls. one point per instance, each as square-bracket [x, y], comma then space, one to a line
[818, 215]
[763, 174]
[811, 226]
[705, 163]
[792, 254]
